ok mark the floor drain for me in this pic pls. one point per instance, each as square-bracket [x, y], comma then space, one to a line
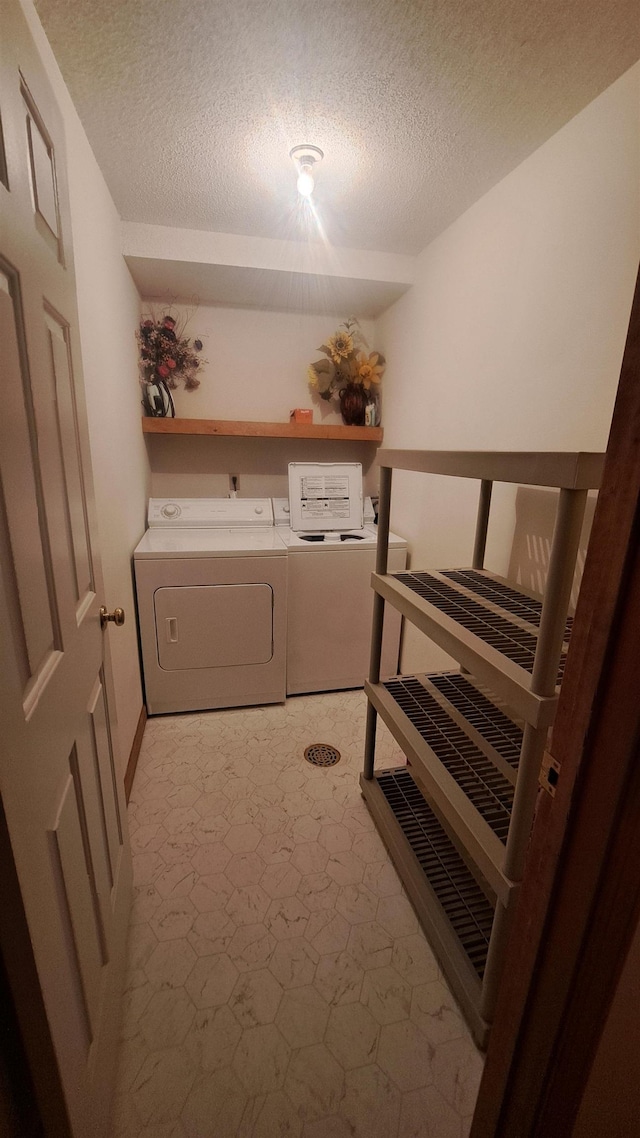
[322, 755]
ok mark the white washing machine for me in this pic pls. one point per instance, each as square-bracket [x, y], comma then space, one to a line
[332, 554]
[211, 583]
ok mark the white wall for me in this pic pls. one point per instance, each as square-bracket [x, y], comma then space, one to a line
[256, 370]
[513, 335]
[257, 363]
[108, 309]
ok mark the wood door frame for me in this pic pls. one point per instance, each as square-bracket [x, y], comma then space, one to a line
[580, 899]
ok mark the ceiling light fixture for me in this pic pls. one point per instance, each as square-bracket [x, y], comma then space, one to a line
[305, 158]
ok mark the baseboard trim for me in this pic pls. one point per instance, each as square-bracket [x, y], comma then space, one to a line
[134, 755]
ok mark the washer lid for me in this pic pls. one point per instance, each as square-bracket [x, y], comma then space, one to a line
[325, 496]
[205, 513]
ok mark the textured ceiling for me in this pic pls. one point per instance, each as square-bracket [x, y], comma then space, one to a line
[191, 106]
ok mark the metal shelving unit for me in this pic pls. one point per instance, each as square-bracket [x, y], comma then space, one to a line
[457, 818]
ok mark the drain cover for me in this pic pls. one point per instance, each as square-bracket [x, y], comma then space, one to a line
[322, 755]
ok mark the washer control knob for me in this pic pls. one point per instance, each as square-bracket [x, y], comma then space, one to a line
[258, 509]
[170, 510]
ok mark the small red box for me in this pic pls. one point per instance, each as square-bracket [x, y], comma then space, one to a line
[301, 415]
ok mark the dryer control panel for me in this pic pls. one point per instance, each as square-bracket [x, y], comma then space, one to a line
[205, 513]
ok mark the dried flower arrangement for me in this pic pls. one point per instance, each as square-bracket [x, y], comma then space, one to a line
[166, 356]
[349, 373]
[348, 361]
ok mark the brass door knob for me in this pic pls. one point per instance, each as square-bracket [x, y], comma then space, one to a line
[117, 616]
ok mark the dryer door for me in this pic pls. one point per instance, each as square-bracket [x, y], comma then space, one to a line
[213, 626]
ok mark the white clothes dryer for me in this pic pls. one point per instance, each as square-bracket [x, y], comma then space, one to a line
[330, 600]
[211, 584]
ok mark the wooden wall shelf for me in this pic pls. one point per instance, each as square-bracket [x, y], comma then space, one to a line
[151, 426]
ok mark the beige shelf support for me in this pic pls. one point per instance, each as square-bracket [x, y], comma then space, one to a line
[580, 470]
[382, 556]
[482, 524]
[531, 696]
[564, 551]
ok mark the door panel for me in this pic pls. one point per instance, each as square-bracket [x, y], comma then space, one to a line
[214, 626]
[75, 876]
[63, 803]
[91, 813]
[22, 491]
[42, 171]
[62, 396]
[106, 782]
[4, 177]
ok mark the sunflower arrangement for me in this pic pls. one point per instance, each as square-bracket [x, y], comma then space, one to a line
[348, 362]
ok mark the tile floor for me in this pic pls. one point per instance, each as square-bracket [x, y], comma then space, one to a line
[279, 985]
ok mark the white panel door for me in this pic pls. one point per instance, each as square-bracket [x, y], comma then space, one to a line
[60, 792]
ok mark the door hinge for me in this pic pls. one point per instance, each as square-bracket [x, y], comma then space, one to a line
[549, 774]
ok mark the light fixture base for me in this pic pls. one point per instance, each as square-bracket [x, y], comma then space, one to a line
[306, 155]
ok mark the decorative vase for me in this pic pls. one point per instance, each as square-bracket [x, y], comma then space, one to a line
[353, 403]
[157, 400]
